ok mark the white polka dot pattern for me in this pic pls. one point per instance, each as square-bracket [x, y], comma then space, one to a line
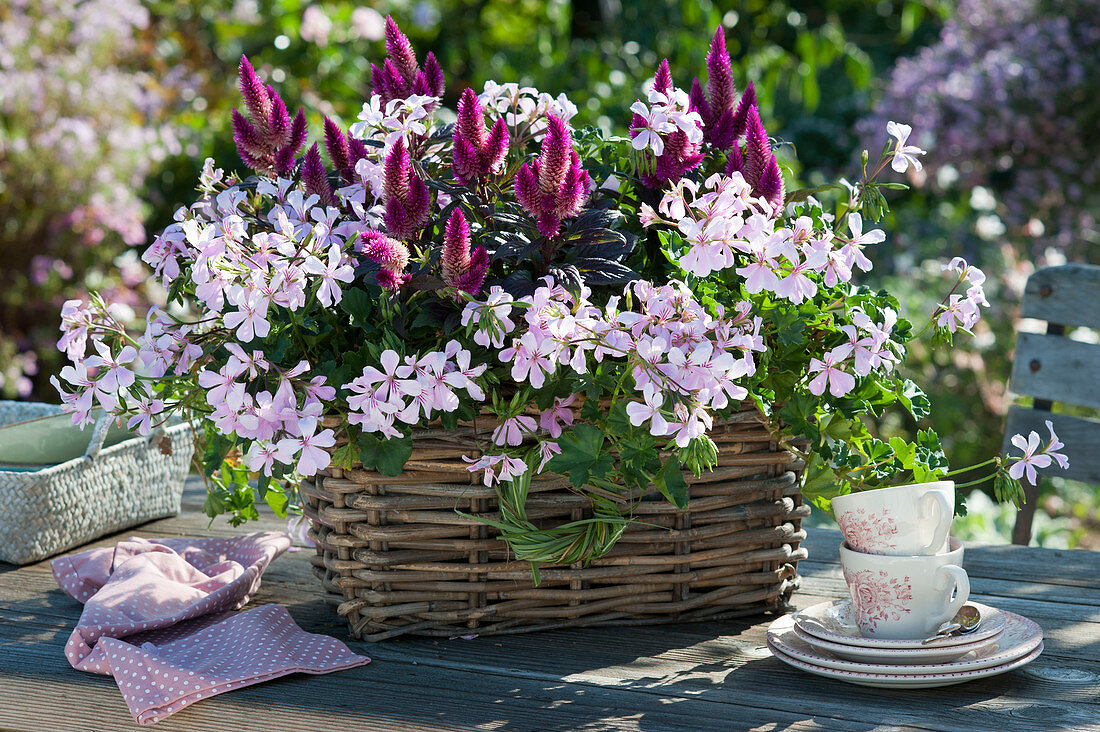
[158, 617]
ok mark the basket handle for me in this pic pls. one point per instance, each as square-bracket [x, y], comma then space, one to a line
[99, 434]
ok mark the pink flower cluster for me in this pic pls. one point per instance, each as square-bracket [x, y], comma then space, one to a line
[525, 109]
[683, 361]
[283, 426]
[962, 311]
[1036, 455]
[725, 224]
[671, 128]
[412, 390]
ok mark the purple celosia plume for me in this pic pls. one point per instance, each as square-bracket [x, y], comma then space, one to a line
[391, 255]
[268, 140]
[315, 177]
[741, 116]
[720, 127]
[400, 75]
[662, 80]
[555, 186]
[761, 170]
[476, 152]
[343, 152]
[406, 197]
[757, 147]
[463, 269]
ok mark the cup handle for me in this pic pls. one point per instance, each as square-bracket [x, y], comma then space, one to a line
[962, 589]
[941, 509]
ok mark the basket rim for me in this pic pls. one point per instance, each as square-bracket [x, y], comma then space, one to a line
[171, 432]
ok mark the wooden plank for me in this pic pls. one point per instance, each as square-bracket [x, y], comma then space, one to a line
[690, 676]
[1057, 369]
[388, 694]
[1081, 436]
[1068, 295]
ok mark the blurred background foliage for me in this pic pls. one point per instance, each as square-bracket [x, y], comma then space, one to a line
[983, 97]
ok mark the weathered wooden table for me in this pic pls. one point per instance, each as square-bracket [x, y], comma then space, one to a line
[716, 676]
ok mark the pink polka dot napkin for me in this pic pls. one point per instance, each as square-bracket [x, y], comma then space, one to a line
[158, 617]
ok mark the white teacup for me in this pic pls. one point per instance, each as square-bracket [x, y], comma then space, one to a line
[901, 521]
[905, 598]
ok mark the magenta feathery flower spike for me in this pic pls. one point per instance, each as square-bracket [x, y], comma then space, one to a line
[336, 143]
[741, 116]
[400, 50]
[245, 135]
[721, 90]
[555, 186]
[462, 268]
[476, 154]
[255, 96]
[315, 177]
[557, 146]
[406, 197]
[433, 73]
[699, 100]
[356, 152]
[392, 257]
[662, 80]
[284, 156]
[757, 148]
[279, 122]
[770, 185]
[270, 140]
[735, 163]
[396, 171]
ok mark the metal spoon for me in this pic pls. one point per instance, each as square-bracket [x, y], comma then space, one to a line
[965, 621]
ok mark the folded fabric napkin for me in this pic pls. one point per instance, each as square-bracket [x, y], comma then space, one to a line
[158, 617]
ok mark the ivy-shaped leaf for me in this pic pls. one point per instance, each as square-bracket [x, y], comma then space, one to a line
[582, 457]
[388, 457]
[670, 482]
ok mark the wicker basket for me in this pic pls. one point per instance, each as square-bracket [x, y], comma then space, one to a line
[395, 557]
[49, 509]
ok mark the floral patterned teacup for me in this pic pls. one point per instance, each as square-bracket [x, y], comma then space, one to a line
[905, 598]
[900, 521]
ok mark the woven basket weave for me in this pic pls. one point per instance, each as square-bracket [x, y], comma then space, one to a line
[108, 489]
[394, 557]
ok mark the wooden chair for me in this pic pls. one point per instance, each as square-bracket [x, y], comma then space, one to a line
[1053, 368]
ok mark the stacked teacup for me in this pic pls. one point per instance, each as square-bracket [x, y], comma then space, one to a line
[904, 572]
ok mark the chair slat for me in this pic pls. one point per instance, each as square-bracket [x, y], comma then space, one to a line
[1081, 436]
[1057, 369]
[1067, 295]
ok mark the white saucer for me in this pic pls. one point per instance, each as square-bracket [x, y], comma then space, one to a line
[928, 654]
[1021, 637]
[902, 681]
[834, 621]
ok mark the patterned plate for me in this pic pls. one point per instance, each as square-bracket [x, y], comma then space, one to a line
[902, 681]
[834, 621]
[1021, 636]
[929, 654]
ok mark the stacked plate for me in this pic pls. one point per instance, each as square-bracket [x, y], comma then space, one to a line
[825, 640]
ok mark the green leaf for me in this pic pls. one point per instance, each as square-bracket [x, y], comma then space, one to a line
[914, 399]
[670, 482]
[277, 500]
[581, 456]
[346, 456]
[388, 457]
